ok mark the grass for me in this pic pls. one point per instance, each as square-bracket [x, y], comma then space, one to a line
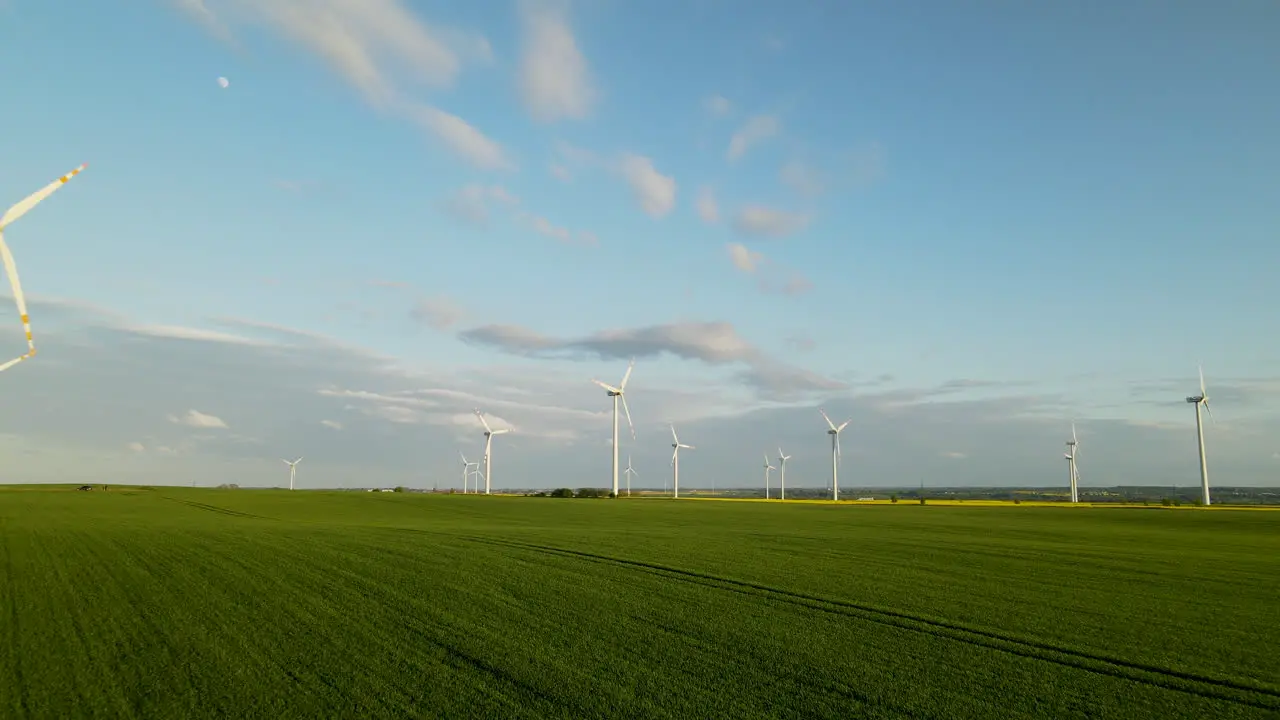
[202, 603]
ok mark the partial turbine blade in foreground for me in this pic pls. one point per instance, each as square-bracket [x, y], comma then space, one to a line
[483, 421]
[1202, 390]
[606, 386]
[631, 366]
[34, 198]
[1210, 411]
[11, 269]
[843, 425]
[824, 417]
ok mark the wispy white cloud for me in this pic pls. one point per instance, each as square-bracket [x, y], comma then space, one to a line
[708, 209]
[462, 138]
[197, 419]
[748, 261]
[771, 277]
[655, 192]
[332, 424]
[802, 177]
[761, 221]
[717, 105]
[439, 312]
[755, 131]
[560, 172]
[471, 203]
[379, 47]
[554, 80]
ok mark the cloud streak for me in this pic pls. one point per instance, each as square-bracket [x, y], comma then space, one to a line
[380, 48]
[554, 80]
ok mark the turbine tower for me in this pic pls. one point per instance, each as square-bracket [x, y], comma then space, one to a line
[834, 432]
[293, 470]
[618, 393]
[1198, 400]
[630, 471]
[488, 449]
[767, 468]
[11, 268]
[782, 474]
[675, 462]
[466, 470]
[1073, 447]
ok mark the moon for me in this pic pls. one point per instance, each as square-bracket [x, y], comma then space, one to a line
[223, 82]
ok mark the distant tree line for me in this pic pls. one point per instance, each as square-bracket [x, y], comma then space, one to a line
[579, 493]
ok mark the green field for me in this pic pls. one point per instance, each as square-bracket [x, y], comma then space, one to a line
[181, 603]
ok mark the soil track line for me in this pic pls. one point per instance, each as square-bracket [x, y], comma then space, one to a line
[1217, 688]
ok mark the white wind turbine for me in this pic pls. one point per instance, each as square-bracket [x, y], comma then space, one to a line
[618, 393]
[11, 268]
[488, 449]
[1198, 400]
[834, 432]
[293, 470]
[630, 471]
[466, 470]
[1073, 449]
[767, 468]
[675, 462]
[782, 474]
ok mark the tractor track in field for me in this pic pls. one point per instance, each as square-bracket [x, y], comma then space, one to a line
[1216, 688]
[216, 509]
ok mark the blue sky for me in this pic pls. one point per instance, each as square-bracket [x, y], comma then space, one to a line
[961, 226]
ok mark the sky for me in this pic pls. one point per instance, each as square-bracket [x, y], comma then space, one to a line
[959, 227]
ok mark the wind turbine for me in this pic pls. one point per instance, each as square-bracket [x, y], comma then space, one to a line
[782, 474]
[834, 432]
[466, 470]
[488, 448]
[618, 393]
[11, 268]
[767, 468]
[293, 470]
[630, 471]
[1198, 400]
[675, 462]
[1073, 448]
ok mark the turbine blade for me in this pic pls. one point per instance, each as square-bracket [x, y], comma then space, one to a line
[674, 451]
[295, 462]
[627, 410]
[838, 455]
[30, 201]
[689, 447]
[1210, 411]
[11, 269]
[631, 366]
[1202, 392]
[483, 421]
[1074, 439]
[843, 425]
[674, 436]
[606, 386]
[824, 417]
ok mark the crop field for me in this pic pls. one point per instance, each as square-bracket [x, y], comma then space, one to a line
[184, 603]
